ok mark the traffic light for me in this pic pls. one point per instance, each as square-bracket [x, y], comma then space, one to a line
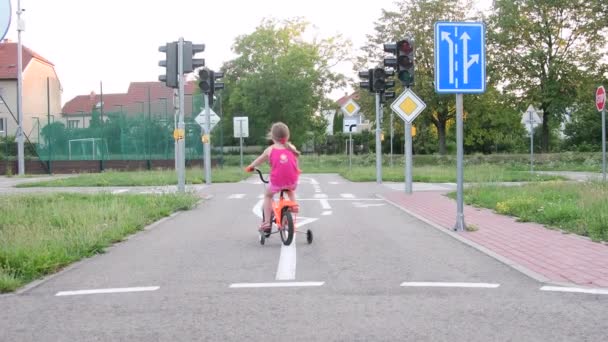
[204, 80]
[405, 62]
[214, 84]
[191, 63]
[367, 75]
[170, 63]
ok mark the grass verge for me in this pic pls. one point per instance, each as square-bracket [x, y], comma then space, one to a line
[580, 208]
[447, 174]
[141, 178]
[40, 234]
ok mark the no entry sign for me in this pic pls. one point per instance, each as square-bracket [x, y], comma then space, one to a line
[600, 98]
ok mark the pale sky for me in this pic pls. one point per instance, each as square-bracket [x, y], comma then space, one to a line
[116, 41]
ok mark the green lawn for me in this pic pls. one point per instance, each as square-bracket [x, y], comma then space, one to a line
[40, 234]
[580, 208]
[142, 178]
[446, 174]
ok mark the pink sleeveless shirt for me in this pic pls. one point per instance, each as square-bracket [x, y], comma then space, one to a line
[284, 169]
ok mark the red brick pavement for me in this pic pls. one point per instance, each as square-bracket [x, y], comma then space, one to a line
[559, 257]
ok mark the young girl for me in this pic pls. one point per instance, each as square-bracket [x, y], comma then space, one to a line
[284, 172]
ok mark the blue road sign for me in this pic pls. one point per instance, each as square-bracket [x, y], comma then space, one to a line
[460, 57]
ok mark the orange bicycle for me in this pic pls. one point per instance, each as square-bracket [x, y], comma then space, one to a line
[281, 217]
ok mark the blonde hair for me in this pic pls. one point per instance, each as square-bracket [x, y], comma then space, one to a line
[278, 132]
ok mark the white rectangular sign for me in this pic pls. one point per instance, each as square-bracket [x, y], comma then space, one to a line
[241, 123]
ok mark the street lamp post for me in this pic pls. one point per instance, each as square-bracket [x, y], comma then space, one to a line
[20, 138]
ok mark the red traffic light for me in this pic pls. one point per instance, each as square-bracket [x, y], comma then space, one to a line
[405, 47]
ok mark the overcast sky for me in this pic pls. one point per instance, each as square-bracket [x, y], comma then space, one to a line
[116, 41]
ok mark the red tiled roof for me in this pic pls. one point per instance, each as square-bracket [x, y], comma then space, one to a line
[8, 59]
[341, 101]
[130, 102]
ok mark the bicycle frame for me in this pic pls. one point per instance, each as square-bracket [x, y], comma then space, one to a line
[278, 206]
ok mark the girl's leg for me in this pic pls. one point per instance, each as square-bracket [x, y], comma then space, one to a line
[292, 197]
[267, 209]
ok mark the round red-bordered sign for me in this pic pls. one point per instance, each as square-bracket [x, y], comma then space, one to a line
[600, 98]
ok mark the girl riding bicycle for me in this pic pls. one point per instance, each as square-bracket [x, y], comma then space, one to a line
[284, 172]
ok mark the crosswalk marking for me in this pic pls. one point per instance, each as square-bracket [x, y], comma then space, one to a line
[347, 195]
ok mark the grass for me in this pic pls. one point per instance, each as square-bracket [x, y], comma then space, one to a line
[580, 208]
[141, 178]
[40, 234]
[447, 174]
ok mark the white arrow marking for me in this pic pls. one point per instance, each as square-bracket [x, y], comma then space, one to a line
[467, 63]
[446, 36]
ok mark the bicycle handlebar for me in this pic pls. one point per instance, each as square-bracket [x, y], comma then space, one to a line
[261, 176]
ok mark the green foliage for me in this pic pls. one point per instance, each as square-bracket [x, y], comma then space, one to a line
[42, 233]
[278, 76]
[577, 208]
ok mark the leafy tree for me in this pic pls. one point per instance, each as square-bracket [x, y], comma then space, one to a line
[278, 76]
[541, 50]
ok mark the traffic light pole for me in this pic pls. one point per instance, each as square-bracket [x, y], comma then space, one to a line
[181, 171]
[460, 226]
[408, 157]
[378, 142]
[392, 131]
[207, 146]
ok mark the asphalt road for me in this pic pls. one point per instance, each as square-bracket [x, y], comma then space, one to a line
[203, 276]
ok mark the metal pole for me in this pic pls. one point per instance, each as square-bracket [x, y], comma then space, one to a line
[181, 172]
[241, 136]
[222, 133]
[460, 225]
[392, 131]
[531, 141]
[350, 148]
[408, 157]
[148, 130]
[20, 143]
[604, 143]
[101, 121]
[48, 107]
[378, 142]
[208, 144]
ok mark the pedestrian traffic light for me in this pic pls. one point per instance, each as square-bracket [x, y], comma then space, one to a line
[379, 80]
[388, 95]
[170, 63]
[191, 63]
[405, 62]
[204, 80]
[368, 76]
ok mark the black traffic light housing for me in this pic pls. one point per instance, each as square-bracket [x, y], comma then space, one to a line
[207, 81]
[191, 63]
[170, 63]
[367, 76]
[405, 62]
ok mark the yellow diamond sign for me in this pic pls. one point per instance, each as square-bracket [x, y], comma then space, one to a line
[350, 108]
[408, 105]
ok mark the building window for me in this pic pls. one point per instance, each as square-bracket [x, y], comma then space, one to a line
[73, 123]
[3, 127]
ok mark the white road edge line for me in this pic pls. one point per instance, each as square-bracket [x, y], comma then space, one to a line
[101, 291]
[575, 290]
[286, 284]
[442, 284]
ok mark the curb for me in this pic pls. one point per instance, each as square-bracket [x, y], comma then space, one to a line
[526, 271]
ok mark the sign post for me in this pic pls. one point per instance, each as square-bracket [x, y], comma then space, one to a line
[350, 108]
[531, 119]
[241, 130]
[460, 69]
[207, 119]
[408, 106]
[600, 104]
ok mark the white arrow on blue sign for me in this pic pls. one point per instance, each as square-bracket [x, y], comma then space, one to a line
[460, 57]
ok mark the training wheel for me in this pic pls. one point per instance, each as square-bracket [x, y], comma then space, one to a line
[309, 236]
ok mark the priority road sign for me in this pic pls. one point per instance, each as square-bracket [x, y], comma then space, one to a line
[600, 98]
[460, 57]
[408, 106]
[350, 108]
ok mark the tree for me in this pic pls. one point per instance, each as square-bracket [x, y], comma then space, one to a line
[416, 18]
[278, 76]
[542, 48]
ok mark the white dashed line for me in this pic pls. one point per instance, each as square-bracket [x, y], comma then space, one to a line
[320, 196]
[285, 284]
[574, 290]
[325, 204]
[327, 213]
[102, 291]
[236, 196]
[347, 195]
[441, 284]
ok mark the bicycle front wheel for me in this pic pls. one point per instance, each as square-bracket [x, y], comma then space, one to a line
[287, 230]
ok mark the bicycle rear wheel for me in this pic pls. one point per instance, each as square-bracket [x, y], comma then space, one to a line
[287, 230]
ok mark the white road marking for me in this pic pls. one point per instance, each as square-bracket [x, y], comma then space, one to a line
[327, 213]
[343, 199]
[236, 196]
[320, 196]
[119, 191]
[261, 197]
[287, 261]
[367, 205]
[347, 195]
[285, 284]
[334, 183]
[441, 284]
[574, 290]
[99, 291]
[325, 204]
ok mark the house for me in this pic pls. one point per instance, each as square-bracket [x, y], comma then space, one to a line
[147, 98]
[36, 104]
